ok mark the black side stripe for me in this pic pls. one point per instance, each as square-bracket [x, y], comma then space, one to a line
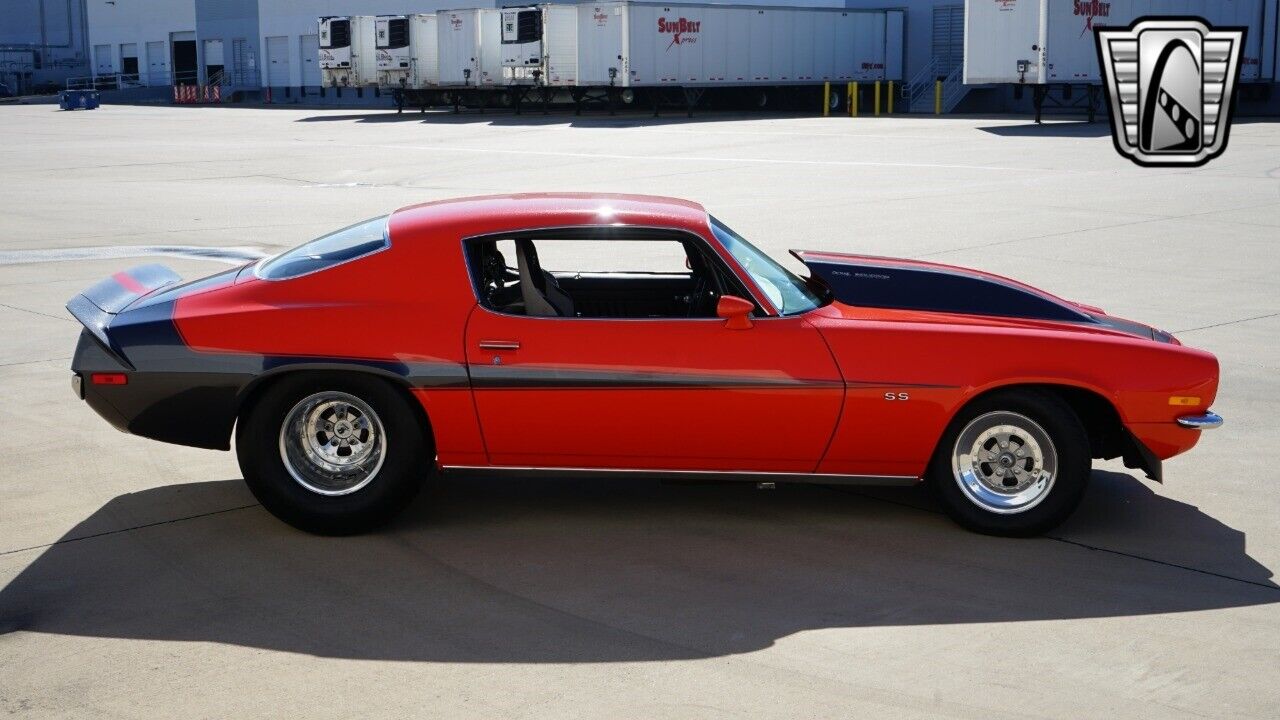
[493, 377]
[496, 376]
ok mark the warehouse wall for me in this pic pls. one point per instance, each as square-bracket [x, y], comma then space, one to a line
[150, 26]
[227, 31]
[41, 41]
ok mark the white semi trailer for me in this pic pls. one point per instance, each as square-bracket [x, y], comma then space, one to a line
[348, 51]
[694, 47]
[1043, 43]
[468, 42]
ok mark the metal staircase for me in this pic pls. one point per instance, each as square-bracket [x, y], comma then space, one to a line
[946, 64]
[918, 93]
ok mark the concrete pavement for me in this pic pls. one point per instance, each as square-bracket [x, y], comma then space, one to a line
[139, 579]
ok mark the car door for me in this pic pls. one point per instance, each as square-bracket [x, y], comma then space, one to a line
[652, 393]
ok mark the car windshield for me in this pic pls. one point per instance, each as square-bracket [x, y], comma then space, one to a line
[346, 244]
[787, 292]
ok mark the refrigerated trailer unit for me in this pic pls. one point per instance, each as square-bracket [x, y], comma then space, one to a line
[1043, 43]
[407, 51]
[348, 52]
[697, 46]
[394, 54]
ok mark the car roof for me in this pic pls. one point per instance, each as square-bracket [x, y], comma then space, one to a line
[490, 214]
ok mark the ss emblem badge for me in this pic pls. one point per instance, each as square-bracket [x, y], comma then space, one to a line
[896, 396]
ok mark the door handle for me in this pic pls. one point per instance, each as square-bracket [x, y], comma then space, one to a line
[499, 345]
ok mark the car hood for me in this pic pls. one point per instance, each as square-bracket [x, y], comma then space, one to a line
[901, 284]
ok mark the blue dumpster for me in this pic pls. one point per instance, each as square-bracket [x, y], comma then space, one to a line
[79, 100]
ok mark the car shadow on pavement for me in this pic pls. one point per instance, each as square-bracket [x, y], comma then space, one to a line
[634, 570]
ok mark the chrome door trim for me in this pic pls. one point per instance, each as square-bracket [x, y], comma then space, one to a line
[727, 475]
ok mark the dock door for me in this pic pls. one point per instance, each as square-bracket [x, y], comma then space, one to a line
[310, 63]
[278, 61]
[185, 67]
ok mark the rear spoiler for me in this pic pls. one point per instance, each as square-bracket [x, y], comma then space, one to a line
[97, 305]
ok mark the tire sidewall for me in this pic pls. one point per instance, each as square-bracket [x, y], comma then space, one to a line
[394, 485]
[1070, 442]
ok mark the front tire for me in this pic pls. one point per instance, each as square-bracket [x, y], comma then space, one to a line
[1014, 463]
[332, 454]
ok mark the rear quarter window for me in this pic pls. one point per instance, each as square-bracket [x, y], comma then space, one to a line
[349, 243]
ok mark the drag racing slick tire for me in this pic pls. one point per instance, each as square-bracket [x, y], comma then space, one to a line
[332, 453]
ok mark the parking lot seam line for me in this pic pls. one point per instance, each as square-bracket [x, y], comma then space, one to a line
[36, 312]
[1077, 543]
[65, 541]
[1229, 322]
[33, 362]
[698, 158]
[1152, 219]
[1166, 563]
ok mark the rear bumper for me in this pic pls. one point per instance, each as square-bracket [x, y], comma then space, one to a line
[1205, 421]
[185, 408]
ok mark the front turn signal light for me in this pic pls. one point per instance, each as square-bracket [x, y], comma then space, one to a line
[1184, 400]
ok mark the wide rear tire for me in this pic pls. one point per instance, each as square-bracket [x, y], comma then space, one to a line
[331, 453]
[1014, 463]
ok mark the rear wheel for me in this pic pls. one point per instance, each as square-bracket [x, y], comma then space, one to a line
[1013, 463]
[332, 454]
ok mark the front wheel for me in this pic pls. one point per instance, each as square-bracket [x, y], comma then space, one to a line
[1013, 463]
[332, 454]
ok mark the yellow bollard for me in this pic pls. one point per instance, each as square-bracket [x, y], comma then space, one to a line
[937, 98]
[877, 98]
[826, 99]
[853, 99]
[890, 97]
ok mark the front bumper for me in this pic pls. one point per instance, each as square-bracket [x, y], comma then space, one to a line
[1206, 421]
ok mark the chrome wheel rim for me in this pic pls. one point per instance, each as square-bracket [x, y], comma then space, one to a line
[1004, 462]
[332, 443]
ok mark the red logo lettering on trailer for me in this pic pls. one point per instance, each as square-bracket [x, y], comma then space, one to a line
[1091, 9]
[600, 17]
[680, 30]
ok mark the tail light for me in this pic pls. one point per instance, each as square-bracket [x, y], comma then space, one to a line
[109, 379]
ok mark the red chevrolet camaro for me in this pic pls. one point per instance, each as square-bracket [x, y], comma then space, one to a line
[568, 334]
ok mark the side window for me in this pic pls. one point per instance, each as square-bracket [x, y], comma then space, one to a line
[613, 256]
[586, 277]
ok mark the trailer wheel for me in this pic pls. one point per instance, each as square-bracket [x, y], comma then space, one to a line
[761, 99]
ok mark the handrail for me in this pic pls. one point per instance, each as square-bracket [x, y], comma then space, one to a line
[953, 89]
[161, 78]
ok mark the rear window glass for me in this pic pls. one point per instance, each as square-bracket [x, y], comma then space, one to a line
[346, 244]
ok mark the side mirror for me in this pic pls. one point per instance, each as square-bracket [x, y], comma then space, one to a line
[735, 311]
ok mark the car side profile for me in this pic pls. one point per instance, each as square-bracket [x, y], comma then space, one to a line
[604, 335]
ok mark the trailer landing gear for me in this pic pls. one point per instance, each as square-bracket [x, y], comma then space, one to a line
[688, 99]
[1042, 97]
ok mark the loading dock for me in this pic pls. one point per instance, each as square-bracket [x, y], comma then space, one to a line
[185, 65]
